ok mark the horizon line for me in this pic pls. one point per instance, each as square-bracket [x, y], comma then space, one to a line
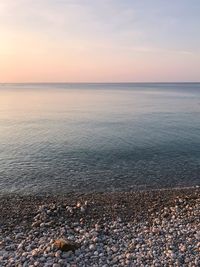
[106, 82]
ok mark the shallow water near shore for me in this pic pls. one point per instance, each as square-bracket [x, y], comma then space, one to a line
[59, 138]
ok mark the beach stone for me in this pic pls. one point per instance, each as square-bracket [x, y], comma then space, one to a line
[91, 247]
[19, 235]
[161, 241]
[58, 254]
[67, 254]
[129, 256]
[66, 245]
[78, 204]
[83, 209]
[42, 259]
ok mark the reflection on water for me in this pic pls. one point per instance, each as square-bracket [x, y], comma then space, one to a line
[66, 137]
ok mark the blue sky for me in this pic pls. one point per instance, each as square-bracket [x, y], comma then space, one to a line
[99, 40]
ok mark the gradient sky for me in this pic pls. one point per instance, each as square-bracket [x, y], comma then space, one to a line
[99, 40]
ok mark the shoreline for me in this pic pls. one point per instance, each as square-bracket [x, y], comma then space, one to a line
[131, 205]
[140, 228]
[12, 204]
[132, 190]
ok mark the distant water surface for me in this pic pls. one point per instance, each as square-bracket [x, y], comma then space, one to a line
[57, 138]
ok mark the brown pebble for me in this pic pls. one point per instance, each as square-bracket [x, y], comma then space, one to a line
[66, 245]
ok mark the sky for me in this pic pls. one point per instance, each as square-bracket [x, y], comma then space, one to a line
[99, 40]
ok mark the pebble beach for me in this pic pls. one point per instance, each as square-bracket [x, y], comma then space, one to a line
[145, 228]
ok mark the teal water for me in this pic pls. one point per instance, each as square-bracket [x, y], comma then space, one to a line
[57, 138]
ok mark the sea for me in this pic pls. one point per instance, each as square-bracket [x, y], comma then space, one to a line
[57, 138]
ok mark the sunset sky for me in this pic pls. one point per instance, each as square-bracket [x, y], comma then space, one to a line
[99, 40]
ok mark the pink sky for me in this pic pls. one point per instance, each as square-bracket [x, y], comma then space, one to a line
[98, 41]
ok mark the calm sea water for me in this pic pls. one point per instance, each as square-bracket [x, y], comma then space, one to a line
[58, 138]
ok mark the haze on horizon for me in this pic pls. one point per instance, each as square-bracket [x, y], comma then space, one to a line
[99, 41]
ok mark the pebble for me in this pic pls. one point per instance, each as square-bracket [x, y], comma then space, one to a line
[172, 240]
